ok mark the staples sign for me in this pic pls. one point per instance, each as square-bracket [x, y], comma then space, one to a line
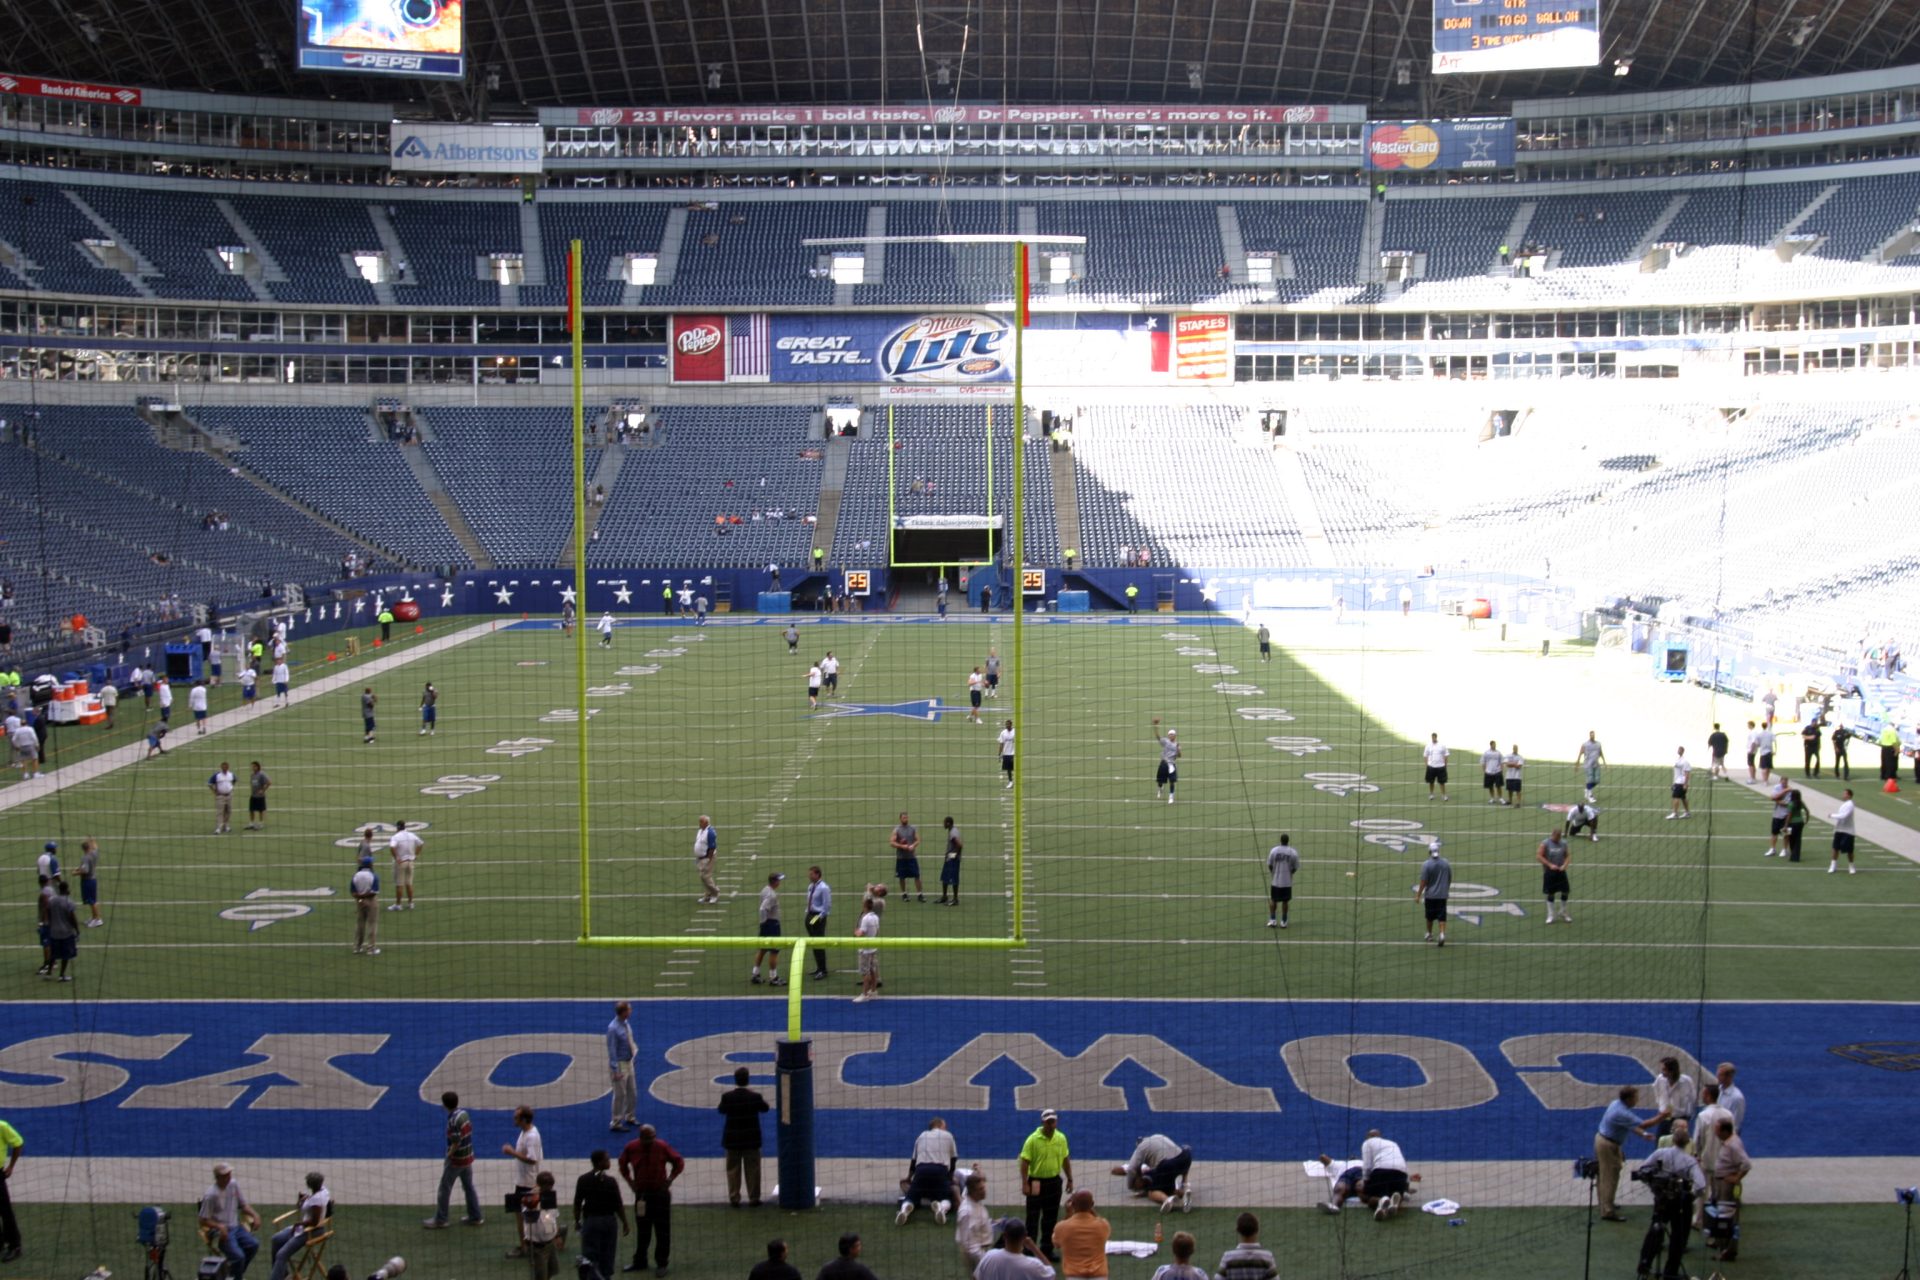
[699, 349]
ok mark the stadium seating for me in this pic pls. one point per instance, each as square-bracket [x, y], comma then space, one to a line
[736, 255]
[944, 274]
[606, 232]
[48, 229]
[711, 462]
[446, 246]
[330, 459]
[1459, 238]
[1142, 250]
[1322, 237]
[177, 232]
[1195, 485]
[510, 472]
[944, 445]
[313, 240]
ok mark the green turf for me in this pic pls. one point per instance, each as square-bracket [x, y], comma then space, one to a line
[1114, 875]
[1777, 1242]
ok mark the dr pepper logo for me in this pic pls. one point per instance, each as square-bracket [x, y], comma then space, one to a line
[699, 339]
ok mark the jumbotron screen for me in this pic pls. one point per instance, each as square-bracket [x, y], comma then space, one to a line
[1475, 36]
[384, 37]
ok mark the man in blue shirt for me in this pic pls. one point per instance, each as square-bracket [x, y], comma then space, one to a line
[1615, 1125]
[819, 907]
[620, 1053]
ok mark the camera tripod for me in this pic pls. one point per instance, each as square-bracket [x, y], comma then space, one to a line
[1906, 1244]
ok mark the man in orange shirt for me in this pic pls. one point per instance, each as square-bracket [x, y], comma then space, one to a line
[1081, 1239]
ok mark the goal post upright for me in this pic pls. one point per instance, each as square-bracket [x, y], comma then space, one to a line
[1017, 577]
[574, 330]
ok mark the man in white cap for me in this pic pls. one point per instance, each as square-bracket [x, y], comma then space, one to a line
[1045, 1164]
[1168, 775]
[229, 1221]
[1436, 881]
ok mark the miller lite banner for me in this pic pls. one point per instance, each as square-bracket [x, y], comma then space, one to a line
[938, 348]
[699, 348]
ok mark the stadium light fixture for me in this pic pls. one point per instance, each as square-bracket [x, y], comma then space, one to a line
[1196, 76]
[1622, 65]
[713, 75]
[943, 73]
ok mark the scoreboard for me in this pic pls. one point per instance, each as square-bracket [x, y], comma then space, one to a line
[1475, 36]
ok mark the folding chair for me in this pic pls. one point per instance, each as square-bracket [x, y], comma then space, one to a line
[310, 1263]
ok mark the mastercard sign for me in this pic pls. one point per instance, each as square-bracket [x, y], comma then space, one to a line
[1402, 146]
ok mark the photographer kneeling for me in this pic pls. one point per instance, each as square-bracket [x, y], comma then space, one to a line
[1674, 1178]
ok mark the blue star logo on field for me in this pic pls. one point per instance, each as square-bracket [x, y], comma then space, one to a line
[921, 709]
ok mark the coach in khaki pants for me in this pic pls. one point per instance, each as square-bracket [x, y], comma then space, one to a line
[1608, 1142]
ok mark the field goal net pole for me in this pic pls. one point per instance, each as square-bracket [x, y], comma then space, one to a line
[575, 334]
[1016, 557]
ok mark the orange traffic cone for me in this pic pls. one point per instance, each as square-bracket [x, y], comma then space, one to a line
[1892, 788]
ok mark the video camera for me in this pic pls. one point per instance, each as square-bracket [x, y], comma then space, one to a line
[1586, 1167]
[1665, 1186]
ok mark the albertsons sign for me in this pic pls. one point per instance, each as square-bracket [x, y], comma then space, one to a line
[467, 148]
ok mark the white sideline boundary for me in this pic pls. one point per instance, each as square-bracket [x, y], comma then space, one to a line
[270, 1181]
[95, 767]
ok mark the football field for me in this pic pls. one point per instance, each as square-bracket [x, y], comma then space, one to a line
[1144, 990]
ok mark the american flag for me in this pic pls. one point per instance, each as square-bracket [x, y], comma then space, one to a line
[749, 343]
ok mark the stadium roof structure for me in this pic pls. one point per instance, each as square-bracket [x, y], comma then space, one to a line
[734, 52]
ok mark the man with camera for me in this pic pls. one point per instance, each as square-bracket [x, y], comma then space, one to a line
[1674, 1178]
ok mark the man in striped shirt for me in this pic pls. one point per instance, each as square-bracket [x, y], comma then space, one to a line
[457, 1167]
[620, 1065]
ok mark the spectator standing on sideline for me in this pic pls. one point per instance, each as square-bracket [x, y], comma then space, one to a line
[1731, 1096]
[1249, 1259]
[1842, 819]
[429, 710]
[905, 843]
[1731, 1166]
[599, 1215]
[775, 1266]
[819, 907]
[1182, 1268]
[9, 1226]
[1810, 735]
[197, 703]
[1675, 1097]
[706, 842]
[229, 1222]
[1717, 745]
[973, 1234]
[846, 1265]
[621, 1052]
[1435, 756]
[282, 680]
[1082, 1240]
[110, 698]
[1889, 753]
[456, 1166]
[258, 784]
[1784, 798]
[529, 1154]
[740, 1137]
[1682, 770]
[1609, 1142]
[63, 931]
[1265, 637]
[950, 864]
[1753, 752]
[869, 927]
[769, 928]
[405, 847]
[90, 881]
[1512, 765]
[365, 888]
[540, 1227]
[1015, 1259]
[1168, 774]
[1766, 743]
[830, 673]
[649, 1167]
[368, 701]
[1706, 1129]
[1045, 1165]
[1283, 863]
[1490, 771]
[249, 685]
[1435, 883]
[164, 690]
[1553, 857]
[1592, 756]
[1841, 737]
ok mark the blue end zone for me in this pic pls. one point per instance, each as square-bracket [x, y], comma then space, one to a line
[1454, 1081]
